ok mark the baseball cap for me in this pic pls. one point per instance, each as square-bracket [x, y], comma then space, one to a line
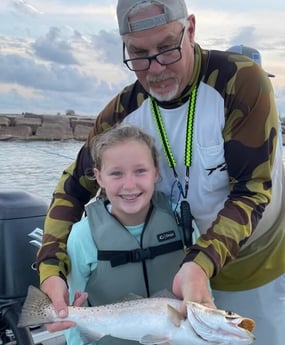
[252, 53]
[171, 10]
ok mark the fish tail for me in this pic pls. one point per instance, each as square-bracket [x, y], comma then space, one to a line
[36, 309]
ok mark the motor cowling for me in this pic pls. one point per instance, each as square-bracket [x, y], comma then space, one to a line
[20, 213]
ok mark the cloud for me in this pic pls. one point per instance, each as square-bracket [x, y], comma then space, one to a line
[52, 48]
[26, 72]
[24, 7]
[52, 102]
[36, 82]
[109, 44]
[246, 34]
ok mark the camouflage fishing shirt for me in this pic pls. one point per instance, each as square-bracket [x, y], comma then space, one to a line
[236, 184]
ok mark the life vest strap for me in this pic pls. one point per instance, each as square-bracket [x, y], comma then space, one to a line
[121, 257]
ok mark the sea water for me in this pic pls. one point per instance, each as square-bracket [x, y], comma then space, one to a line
[36, 166]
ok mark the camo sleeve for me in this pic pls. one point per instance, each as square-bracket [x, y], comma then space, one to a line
[75, 189]
[250, 136]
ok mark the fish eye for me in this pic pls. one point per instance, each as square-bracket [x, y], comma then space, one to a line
[230, 315]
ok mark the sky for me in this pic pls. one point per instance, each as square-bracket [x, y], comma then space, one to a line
[60, 55]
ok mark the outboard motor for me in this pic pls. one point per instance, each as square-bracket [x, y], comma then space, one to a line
[20, 213]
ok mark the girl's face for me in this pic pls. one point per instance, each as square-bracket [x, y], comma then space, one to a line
[128, 175]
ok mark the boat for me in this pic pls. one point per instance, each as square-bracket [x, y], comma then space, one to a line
[22, 214]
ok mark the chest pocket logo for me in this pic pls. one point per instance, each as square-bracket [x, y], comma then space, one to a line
[165, 236]
[221, 167]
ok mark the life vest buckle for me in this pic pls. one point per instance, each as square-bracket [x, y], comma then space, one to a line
[140, 254]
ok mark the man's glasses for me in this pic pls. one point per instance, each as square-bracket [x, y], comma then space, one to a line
[164, 58]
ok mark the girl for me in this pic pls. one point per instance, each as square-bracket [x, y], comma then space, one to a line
[130, 241]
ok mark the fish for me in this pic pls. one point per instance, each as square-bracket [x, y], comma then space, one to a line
[149, 321]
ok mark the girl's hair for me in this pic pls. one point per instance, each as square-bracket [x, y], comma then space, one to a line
[119, 134]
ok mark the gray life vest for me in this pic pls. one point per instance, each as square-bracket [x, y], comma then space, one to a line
[126, 266]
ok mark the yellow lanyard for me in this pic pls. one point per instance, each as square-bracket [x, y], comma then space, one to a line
[188, 139]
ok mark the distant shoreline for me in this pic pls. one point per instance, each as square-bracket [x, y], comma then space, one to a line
[29, 126]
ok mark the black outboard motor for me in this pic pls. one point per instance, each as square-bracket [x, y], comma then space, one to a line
[20, 214]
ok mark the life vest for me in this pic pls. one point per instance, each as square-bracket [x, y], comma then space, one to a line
[126, 265]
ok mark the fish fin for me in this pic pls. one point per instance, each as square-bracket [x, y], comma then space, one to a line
[153, 339]
[89, 336]
[160, 294]
[129, 297]
[175, 316]
[33, 311]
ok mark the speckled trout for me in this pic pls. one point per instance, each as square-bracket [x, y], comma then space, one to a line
[146, 320]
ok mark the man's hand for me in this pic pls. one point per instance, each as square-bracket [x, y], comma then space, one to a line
[56, 288]
[191, 284]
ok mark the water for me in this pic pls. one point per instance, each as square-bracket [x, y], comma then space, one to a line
[35, 166]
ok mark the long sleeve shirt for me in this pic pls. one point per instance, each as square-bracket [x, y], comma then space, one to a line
[235, 182]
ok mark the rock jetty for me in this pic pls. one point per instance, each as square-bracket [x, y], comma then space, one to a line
[29, 126]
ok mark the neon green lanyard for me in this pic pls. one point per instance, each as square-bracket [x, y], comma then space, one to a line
[188, 138]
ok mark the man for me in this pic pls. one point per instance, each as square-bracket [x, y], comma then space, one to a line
[215, 120]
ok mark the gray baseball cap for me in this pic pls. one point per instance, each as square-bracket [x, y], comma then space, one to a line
[172, 10]
[252, 53]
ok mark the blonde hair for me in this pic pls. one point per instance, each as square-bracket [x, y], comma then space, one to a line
[119, 134]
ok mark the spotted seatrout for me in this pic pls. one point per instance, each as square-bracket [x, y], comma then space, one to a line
[147, 320]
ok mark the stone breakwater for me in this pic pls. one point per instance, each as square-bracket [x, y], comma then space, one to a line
[29, 126]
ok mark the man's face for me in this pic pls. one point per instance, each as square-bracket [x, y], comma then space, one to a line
[163, 82]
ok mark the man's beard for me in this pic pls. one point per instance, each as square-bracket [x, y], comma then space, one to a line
[165, 96]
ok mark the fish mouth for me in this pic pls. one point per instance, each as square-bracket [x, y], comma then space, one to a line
[230, 326]
[247, 324]
[238, 332]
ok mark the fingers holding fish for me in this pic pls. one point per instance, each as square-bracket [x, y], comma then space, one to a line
[191, 284]
[80, 299]
[59, 326]
[56, 289]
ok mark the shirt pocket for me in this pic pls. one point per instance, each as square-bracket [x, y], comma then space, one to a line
[213, 167]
